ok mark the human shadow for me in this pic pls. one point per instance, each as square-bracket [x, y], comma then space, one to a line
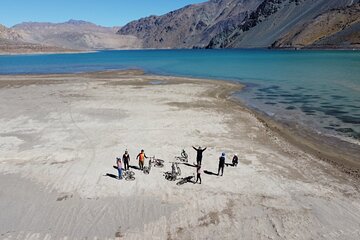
[230, 164]
[134, 167]
[190, 165]
[111, 175]
[210, 173]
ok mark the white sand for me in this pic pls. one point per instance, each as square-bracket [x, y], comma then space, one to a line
[60, 135]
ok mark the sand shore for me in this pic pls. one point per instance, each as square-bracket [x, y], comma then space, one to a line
[60, 135]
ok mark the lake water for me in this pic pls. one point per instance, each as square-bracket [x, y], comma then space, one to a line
[316, 89]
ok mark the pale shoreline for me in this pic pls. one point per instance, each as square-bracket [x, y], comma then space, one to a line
[60, 134]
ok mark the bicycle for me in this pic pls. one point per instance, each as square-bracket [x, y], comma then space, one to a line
[129, 175]
[175, 168]
[157, 162]
[184, 156]
[147, 169]
[175, 172]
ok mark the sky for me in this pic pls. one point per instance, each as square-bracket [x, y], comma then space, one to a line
[101, 12]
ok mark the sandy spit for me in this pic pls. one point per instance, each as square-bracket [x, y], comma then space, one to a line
[60, 135]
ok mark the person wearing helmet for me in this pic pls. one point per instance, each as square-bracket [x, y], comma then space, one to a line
[126, 160]
[141, 156]
[235, 160]
[221, 164]
[199, 154]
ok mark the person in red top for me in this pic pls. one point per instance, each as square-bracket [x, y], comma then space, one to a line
[141, 156]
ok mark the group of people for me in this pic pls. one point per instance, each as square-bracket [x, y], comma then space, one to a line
[123, 163]
[199, 155]
[125, 160]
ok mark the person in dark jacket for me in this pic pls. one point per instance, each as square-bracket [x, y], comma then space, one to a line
[199, 154]
[126, 160]
[221, 164]
[235, 160]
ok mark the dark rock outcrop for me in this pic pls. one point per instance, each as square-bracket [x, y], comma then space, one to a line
[191, 26]
[229, 23]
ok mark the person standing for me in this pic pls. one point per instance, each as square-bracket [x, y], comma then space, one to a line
[199, 154]
[119, 167]
[221, 164]
[141, 156]
[198, 173]
[235, 160]
[126, 160]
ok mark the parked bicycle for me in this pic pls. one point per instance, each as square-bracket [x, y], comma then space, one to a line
[175, 172]
[184, 156]
[129, 175]
[157, 162]
[147, 169]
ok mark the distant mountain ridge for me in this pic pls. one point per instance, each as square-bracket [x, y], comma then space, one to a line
[231, 23]
[213, 24]
[12, 42]
[193, 25]
[75, 34]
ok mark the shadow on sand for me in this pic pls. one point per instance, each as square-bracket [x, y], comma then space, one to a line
[210, 173]
[111, 175]
[134, 167]
[190, 165]
[184, 180]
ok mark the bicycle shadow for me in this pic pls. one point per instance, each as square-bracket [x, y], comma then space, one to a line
[111, 175]
[184, 180]
[210, 173]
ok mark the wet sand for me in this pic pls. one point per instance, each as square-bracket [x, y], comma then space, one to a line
[60, 135]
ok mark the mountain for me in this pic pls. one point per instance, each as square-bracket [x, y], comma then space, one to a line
[235, 24]
[75, 34]
[272, 20]
[12, 42]
[192, 26]
[337, 28]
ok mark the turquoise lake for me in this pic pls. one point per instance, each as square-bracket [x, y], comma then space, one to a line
[316, 89]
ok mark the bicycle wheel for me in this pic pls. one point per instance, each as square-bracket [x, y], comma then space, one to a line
[159, 165]
[130, 178]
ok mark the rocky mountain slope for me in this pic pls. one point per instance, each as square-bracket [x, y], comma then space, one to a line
[191, 26]
[337, 28]
[75, 34]
[12, 42]
[231, 23]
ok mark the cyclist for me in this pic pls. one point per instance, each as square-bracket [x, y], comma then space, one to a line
[141, 156]
[199, 154]
[221, 164]
[126, 160]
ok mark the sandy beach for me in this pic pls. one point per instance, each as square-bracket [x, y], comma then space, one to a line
[60, 135]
